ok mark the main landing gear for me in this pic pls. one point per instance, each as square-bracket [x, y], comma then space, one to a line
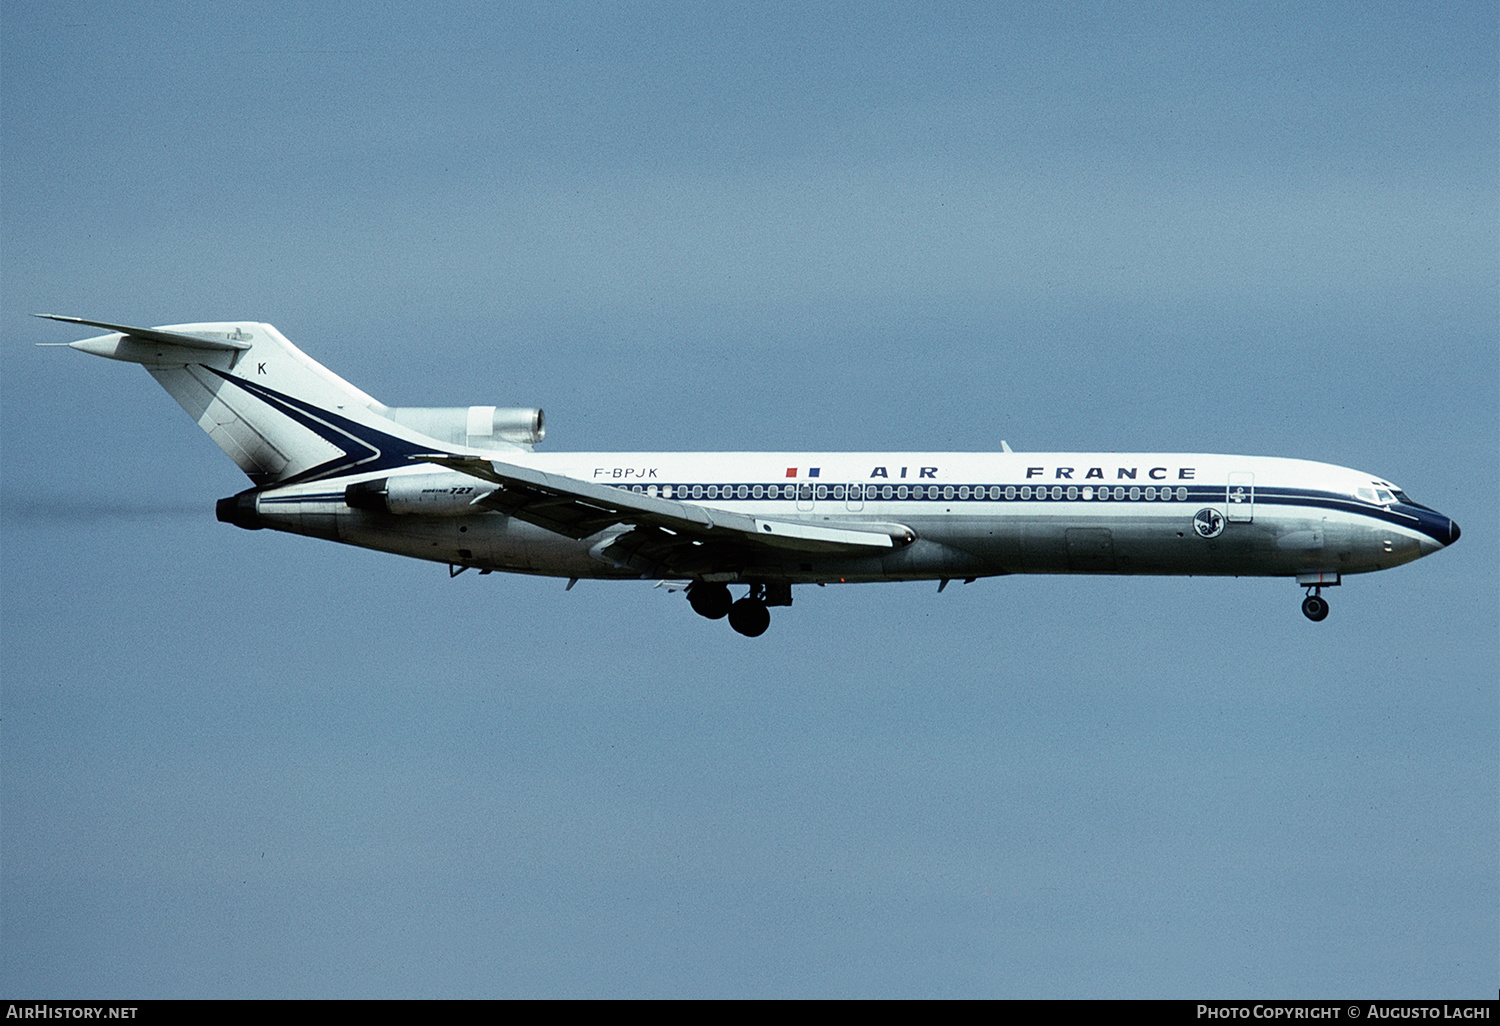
[749, 616]
[1315, 606]
[710, 600]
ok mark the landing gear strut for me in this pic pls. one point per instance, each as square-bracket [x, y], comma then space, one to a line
[1315, 606]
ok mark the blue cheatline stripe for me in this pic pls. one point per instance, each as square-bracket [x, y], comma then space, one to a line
[903, 493]
[365, 448]
[1434, 525]
[294, 500]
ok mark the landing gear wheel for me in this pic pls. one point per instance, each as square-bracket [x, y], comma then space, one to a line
[1315, 607]
[710, 600]
[750, 617]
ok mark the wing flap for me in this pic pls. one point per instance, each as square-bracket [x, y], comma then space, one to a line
[792, 534]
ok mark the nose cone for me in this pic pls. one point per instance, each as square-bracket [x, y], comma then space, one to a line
[1440, 531]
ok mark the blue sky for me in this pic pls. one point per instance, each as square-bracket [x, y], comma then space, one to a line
[241, 764]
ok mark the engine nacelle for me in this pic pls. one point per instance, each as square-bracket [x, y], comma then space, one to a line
[433, 495]
[477, 427]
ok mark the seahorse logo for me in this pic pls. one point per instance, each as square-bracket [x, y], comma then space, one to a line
[1208, 523]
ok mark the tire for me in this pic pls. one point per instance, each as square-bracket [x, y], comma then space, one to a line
[750, 617]
[1315, 608]
[710, 600]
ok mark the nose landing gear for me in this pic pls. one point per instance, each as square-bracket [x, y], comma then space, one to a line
[1315, 606]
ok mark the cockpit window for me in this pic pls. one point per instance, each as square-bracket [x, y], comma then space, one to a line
[1407, 500]
[1380, 494]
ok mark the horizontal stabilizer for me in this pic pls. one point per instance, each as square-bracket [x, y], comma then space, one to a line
[156, 335]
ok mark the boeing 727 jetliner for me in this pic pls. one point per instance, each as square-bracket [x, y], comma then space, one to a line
[463, 486]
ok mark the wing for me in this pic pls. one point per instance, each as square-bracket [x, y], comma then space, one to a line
[661, 535]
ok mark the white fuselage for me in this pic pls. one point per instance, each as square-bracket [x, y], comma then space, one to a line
[972, 514]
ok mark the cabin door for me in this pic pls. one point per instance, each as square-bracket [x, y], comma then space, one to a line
[1239, 497]
[805, 497]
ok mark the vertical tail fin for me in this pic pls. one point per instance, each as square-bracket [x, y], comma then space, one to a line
[276, 412]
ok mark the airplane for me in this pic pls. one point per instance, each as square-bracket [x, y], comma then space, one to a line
[464, 486]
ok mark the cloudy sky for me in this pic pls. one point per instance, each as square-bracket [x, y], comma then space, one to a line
[251, 764]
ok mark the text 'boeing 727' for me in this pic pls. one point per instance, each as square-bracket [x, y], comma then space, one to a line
[462, 486]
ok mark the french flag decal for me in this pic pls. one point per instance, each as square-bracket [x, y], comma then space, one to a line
[811, 471]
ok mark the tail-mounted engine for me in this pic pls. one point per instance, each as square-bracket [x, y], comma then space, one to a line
[433, 495]
[478, 427]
